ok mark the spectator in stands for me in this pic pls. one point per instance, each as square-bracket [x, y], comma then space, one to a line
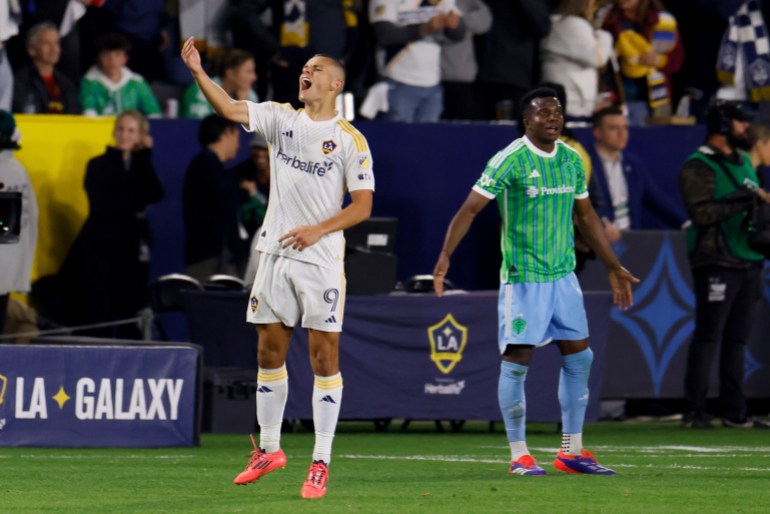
[744, 48]
[110, 259]
[409, 38]
[253, 177]
[623, 179]
[650, 49]
[210, 202]
[254, 174]
[9, 27]
[143, 23]
[758, 143]
[572, 54]
[249, 32]
[462, 97]
[40, 88]
[235, 75]
[109, 87]
[726, 271]
[508, 67]
[65, 15]
[16, 258]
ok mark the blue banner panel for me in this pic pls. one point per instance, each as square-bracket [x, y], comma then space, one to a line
[404, 356]
[649, 342]
[97, 396]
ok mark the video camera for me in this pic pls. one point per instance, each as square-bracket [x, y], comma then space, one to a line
[10, 217]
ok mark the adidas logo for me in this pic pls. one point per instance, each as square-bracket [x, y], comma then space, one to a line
[534, 174]
[328, 399]
[263, 389]
[331, 320]
[288, 133]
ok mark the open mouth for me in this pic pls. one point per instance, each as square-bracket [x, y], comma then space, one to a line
[305, 83]
[552, 129]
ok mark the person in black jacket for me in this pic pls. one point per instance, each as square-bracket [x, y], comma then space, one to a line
[40, 88]
[108, 266]
[211, 198]
[718, 185]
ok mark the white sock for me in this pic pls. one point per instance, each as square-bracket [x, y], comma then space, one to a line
[572, 444]
[327, 397]
[272, 391]
[518, 449]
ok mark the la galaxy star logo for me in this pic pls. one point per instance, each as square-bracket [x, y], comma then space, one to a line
[254, 304]
[328, 146]
[447, 342]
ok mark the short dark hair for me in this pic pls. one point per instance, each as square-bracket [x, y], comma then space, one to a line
[112, 41]
[212, 127]
[338, 63]
[539, 92]
[612, 110]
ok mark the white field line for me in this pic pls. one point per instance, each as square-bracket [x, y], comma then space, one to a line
[654, 449]
[452, 458]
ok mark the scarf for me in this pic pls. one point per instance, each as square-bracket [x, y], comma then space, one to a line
[746, 37]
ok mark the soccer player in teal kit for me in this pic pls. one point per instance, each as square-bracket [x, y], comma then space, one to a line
[539, 183]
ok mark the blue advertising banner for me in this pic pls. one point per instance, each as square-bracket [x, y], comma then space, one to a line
[98, 396]
[649, 342]
[410, 356]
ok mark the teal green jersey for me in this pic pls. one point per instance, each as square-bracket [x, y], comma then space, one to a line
[535, 192]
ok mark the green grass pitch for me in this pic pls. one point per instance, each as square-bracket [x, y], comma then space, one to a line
[661, 468]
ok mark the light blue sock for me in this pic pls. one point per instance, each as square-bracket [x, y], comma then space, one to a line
[573, 390]
[513, 404]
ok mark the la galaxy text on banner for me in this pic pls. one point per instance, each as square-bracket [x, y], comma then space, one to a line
[98, 396]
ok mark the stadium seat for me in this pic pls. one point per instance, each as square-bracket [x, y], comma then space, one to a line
[424, 284]
[166, 297]
[222, 282]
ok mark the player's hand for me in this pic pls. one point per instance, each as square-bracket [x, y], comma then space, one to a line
[764, 195]
[191, 57]
[439, 272]
[301, 237]
[620, 282]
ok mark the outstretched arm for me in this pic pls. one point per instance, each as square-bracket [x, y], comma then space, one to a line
[455, 233]
[223, 104]
[591, 228]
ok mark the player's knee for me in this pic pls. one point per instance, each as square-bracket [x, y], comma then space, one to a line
[269, 357]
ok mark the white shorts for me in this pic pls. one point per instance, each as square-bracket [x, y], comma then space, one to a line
[287, 291]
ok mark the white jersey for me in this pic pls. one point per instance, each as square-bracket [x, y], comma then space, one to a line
[417, 63]
[312, 163]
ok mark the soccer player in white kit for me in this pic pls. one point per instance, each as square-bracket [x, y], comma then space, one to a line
[315, 155]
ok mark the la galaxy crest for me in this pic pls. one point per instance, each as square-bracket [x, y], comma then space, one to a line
[328, 146]
[447, 342]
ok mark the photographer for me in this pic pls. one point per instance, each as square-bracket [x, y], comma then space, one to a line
[726, 271]
[15, 259]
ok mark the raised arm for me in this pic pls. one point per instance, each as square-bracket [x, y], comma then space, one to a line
[223, 104]
[455, 233]
[591, 228]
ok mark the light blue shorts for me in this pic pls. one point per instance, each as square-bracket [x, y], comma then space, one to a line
[536, 313]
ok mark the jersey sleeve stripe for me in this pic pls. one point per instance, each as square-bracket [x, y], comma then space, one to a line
[484, 192]
[358, 138]
[581, 195]
[505, 152]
